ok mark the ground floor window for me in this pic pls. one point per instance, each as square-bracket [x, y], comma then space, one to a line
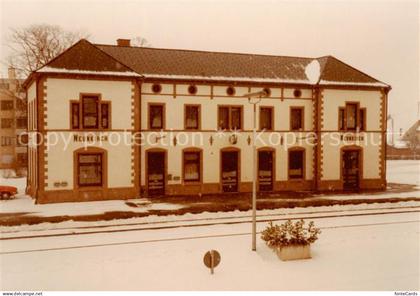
[296, 166]
[89, 166]
[192, 166]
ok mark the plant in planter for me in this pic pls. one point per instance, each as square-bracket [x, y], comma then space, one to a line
[290, 240]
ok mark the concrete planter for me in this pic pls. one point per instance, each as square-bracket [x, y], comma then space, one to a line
[294, 252]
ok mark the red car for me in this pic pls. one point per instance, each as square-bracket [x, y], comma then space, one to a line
[7, 192]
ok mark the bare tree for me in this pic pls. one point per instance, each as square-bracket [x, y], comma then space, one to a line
[36, 45]
[140, 42]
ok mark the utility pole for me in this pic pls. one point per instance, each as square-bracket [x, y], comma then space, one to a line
[258, 95]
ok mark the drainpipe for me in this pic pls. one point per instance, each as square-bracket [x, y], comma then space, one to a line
[315, 96]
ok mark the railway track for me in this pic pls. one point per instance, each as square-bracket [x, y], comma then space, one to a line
[188, 238]
[159, 225]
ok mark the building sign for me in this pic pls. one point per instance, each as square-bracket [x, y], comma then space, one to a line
[351, 138]
[90, 138]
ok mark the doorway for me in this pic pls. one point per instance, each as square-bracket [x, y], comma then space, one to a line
[351, 169]
[230, 171]
[156, 173]
[265, 170]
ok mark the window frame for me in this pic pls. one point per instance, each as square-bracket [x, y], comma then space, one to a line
[4, 105]
[342, 119]
[192, 89]
[9, 120]
[295, 150]
[356, 119]
[271, 108]
[108, 115]
[90, 151]
[361, 117]
[230, 107]
[84, 112]
[200, 165]
[149, 118]
[6, 141]
[198, 106]
[79, 123]
[302, 118]
[20, 120]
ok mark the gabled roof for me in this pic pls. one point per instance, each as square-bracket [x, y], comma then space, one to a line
[85, 57]
[413, 130]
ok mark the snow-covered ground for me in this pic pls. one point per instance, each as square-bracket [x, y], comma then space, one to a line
[379, 252]
[372, 251]
[403, 172]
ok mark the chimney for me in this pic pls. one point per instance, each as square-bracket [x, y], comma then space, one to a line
[11, 73]
[123, 42]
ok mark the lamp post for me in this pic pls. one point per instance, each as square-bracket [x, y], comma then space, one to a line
[259, 95]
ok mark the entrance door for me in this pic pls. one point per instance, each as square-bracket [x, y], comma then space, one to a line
[229, 171]
[351, 170]
[156, 173]
[265, 170]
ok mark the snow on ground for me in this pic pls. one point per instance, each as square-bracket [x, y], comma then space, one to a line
[23, 203]
[360, 256]
[202, 218]
[403, 172]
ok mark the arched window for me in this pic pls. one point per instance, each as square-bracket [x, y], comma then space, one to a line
[192, 165]
[90, 167]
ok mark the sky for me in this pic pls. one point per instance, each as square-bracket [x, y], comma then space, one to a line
[380, 38]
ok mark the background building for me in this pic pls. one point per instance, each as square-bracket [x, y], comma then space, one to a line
[13, 123]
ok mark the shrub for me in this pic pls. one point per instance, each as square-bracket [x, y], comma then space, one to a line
[290, 233]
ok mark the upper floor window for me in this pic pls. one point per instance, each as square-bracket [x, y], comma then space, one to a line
[7, 123]
[22, 158]
[296, 118]
[230, 117]
[156, 116]
[297, 93]
[192, 117]
[266, 118]
[21, 122]
[6, 141]
[267, 91]
[230, 91]
[192, 89]
[351, 117]
[90, 113]
[6, 105]
[296, 164]
[156, 88]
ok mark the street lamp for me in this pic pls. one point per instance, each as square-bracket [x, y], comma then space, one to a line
[258, 95]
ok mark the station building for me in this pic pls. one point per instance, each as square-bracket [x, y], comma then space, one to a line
[122, 122]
